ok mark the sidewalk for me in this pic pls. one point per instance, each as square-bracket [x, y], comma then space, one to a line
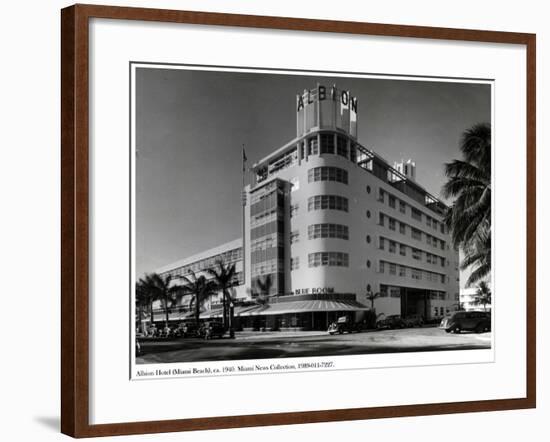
[277, 334]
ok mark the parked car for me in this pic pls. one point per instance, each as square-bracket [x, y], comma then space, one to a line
[391, 321]
[188, 329]
[344, 324]
[212, 329]
[413, 320]
[472, 321]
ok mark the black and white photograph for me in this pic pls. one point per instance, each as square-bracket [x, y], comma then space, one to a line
[290, 214]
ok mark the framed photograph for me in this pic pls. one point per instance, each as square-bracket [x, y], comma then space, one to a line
[272, 220]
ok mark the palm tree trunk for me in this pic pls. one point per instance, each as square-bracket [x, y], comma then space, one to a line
[166, 311]
[197, 309]
[151, 312]
[224, 310]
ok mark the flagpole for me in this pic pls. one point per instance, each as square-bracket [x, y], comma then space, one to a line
[243, 202]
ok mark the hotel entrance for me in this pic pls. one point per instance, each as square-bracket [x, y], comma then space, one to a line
[415, 302]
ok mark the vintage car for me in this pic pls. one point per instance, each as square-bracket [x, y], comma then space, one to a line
[212, 329]
[344, 324]
[477, 321]
[188, 329]
[391, 321]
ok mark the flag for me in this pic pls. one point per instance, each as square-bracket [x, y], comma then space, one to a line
[244, 159]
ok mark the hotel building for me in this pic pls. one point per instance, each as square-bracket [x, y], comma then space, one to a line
[331, 221]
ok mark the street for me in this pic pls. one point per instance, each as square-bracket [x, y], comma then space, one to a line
[264, 345]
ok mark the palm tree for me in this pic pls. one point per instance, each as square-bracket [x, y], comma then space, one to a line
[160, 288]
[469, 182]
[224, 277]
[478, 255]
[483, 295]
[264, 285]
[143, 301]
[371, 296]
[200, 288]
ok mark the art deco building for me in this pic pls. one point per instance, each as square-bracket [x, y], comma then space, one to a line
[331, 221]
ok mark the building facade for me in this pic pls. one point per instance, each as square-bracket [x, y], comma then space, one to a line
[330, 222]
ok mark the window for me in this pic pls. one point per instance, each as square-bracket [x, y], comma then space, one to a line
[442, 228]
[402, 207]
[342, 146]
[392, 201]
[368, 189]
[393, 269]
[368, 213]
[402, 271]
[328, 231]
[327, 174]
[435, 224]
[428, 221]
[416, 234]
[381, 267]
[442, 244]
[331, 259]
[293, 210]
[416, 214]
[313, 146]
[442, 279]
[327, 143]
[428, 239]
[381, 219]
[417, 254]
[402, 228]
[368, 239]
[295, 263]
[330, 202]
[368, 264]
[416, 274]
[402, 249]
[393, 247]
[294, 236]
[381, 243]
[442, 261]
[381, 193]
[392, 224]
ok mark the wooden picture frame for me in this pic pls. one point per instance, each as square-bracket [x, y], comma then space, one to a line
[75, 247]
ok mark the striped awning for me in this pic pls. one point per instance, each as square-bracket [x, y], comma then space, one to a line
[282, 308]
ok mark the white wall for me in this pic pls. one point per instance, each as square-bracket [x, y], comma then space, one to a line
[29, 86]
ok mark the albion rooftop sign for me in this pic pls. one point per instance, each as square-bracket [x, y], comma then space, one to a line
[322, 94]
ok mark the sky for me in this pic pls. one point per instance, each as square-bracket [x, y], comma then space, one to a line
[191, 125]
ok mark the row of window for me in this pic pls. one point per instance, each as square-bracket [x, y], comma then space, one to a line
[392, 247]
[330, 144]
[410, 272]
[416, 214]
[265, 217]
[327, 173]
[395, 292]
[228, 257]
[415, 233]
[266, 242]
[331, 202]
[328, 231]
[266, 267]
[331, 259]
